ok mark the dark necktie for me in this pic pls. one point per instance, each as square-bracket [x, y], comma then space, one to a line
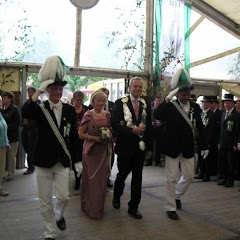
[226, 115]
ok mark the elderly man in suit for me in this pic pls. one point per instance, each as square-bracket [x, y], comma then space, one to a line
[182, 118]
[53, 159]
[131, 121]
[230, 123]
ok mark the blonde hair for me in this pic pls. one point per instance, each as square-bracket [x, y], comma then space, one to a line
[95, 94]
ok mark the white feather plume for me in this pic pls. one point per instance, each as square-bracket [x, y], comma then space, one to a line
[188, 76]
[175, 78]
[52, 66]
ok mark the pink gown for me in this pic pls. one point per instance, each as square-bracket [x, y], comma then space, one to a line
[96, 166]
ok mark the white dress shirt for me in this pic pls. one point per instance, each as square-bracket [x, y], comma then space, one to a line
[57, 109]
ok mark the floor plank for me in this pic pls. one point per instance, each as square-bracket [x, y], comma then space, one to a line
[210, 212]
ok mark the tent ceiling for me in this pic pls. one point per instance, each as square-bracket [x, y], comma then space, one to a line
[233, 89]
[223, 13]
[229, 8]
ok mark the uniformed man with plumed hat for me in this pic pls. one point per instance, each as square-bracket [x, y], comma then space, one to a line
[183, 122]
[56, 145]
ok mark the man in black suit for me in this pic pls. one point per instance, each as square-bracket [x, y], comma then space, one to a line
[109, 104]
[183, 121]
[214, 140]
[230, 123]
[205, 163]
[157, 131]
[237, 107]
[29, 132]
[51, 160]
[131, 121]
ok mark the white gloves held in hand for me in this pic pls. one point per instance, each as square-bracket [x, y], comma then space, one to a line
[204, 153]
[44, 85]
[172, 94]
[78, 166]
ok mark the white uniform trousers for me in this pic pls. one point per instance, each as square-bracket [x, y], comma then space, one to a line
[177, 181]
[52, 181]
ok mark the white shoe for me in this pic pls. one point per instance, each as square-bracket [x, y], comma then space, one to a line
[3, 193]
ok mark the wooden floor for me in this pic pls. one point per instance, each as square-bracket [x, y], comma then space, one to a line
[210, 212]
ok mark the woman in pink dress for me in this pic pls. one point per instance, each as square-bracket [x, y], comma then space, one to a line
[97, 151]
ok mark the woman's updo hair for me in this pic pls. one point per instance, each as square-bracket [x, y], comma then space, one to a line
[97, 93]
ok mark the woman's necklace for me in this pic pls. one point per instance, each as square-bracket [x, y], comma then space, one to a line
[96, 113]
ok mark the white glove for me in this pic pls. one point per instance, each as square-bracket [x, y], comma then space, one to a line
[172, 93]
[78, 166]
[204, 153]
[44, 85]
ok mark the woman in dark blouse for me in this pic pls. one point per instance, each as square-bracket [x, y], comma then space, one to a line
[80, 109]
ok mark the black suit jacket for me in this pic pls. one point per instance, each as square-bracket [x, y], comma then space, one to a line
[208, 125]
[178, 135]
[216, 121]
[229, 130]
[125, 140]
[12, 116]
[48, 150]
[110, 106]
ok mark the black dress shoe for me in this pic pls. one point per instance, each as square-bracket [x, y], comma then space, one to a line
[199, 177]
[206, 179]
[159, 164]
[221, 183]
[49, 238]
[61, 224]
[172, 215]
[116, 203]
[229, 184]
[148, 163]
[135, 213]
[29, 171]
[178, 203]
